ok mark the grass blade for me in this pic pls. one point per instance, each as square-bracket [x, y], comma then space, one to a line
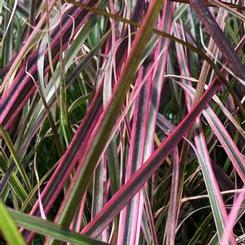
[47, 228]
[8, 227]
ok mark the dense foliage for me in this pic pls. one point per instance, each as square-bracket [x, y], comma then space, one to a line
[122, 122]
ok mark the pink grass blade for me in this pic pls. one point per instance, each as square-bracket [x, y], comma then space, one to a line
[157, 77]
[172, 218]
[149, 217]
[231, 220]
[157, 80]
[216, 200]
[130, 218]
[99, 192]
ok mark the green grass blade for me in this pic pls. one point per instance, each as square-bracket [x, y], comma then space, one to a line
[8, 227]
[14, 154]
[46, 228]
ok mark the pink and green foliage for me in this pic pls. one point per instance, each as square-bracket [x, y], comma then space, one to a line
[122, 122]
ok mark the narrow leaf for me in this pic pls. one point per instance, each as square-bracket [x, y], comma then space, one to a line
[8, 227]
